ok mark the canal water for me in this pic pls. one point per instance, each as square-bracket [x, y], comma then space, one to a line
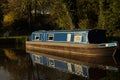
[18, 64]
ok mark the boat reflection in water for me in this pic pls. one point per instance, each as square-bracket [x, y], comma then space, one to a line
[77, 67]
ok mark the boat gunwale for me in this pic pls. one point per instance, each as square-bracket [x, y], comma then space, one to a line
[69, 44]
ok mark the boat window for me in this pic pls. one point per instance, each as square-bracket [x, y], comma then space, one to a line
[51, 62]
[77, 37]
[50, 37]
[37, 36]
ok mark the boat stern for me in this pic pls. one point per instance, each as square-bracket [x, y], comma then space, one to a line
[114, 46]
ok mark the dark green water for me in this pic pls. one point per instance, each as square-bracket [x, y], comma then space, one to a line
[17, 64]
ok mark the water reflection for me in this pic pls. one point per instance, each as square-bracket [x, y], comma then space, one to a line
[86, 70]
[62, 65]
[13, 46]
[16, 64]
[4, 75]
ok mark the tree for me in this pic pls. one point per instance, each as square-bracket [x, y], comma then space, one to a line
[61, 15]
[8, 19]
[57, 13]
[1, 16]
[114, 16]
[2, 5]
[108, 15]
[65, 14]
[87, 13]
[101, 16]
[84, 13]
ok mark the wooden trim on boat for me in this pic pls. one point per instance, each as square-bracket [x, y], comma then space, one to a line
[65, 49]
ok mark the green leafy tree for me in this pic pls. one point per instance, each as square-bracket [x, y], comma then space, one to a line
[84, 13]
[87, 13]
[109, 15]
[1, 16]
[66, 14]
[101, 16]
[61, 15]
[2, 6]
[113, 16]
[57, 12]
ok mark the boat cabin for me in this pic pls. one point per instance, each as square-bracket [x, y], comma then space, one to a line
[71, 36]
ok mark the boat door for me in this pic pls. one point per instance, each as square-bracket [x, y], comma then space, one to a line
[68, 37]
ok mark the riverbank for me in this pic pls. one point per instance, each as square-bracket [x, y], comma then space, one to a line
[13, 41]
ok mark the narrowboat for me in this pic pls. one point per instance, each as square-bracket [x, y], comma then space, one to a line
[73, 43]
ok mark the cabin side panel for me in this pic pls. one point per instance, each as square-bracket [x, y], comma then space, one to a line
[31, 37]
[61, 37]
[80, 37]
[71, 36]
[36, 37]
